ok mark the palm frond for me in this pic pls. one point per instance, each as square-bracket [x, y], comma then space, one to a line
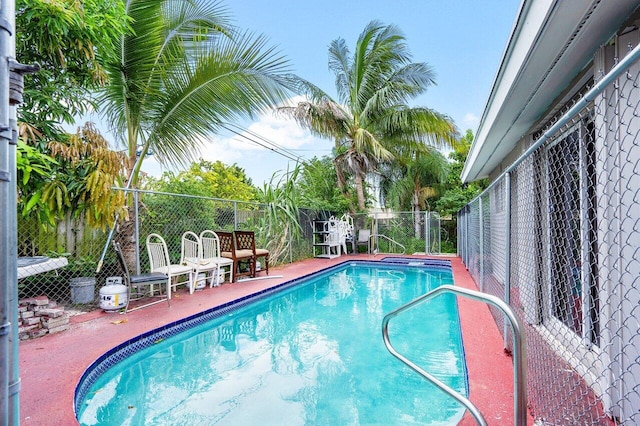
[341, 66]
[326, 119]
[232, 79]
[419, 124]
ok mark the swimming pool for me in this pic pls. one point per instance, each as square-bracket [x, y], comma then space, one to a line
[309, 353]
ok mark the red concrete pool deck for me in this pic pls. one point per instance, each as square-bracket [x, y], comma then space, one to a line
[51, 366]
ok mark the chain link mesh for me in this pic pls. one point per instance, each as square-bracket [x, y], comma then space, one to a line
[169, 215]
[558, 237]
[405, 232]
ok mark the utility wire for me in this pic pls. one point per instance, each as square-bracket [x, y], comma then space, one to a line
[242, 132]
[270, 142]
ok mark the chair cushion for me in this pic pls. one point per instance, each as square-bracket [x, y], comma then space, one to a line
[240, 254]
[226, 254]
[152, 277]
[262, 252]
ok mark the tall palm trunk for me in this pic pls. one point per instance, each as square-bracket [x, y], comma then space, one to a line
[359, 180]
[416, 214]
[342, 183]
[125, 236]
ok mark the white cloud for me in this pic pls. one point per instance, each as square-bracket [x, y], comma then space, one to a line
[470, 120]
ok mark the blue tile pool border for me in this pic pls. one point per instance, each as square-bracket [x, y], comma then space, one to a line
[151, 337]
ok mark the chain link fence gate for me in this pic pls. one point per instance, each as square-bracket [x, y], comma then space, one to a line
[395, 232]
[557, 236]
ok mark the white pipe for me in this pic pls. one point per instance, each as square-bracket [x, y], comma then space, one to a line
[266, 277]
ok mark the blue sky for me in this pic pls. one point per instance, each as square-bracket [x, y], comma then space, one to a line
[462, 41]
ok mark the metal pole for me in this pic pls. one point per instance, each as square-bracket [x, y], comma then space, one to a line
[7, 259]
[507, 251]
[481, 243]
[426, 232]
[136, 222]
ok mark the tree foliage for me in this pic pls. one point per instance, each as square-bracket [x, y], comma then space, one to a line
[413, 178]
[69, 39]
[318, 187]
[208, 179]
[75, 180]
[182, 72]
[371, 115]
[457, 194]
[61, 175]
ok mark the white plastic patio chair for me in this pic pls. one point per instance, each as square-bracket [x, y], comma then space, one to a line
[210, 254]
[190, 256]
[348, 228]
[364, 235]
[159, 260]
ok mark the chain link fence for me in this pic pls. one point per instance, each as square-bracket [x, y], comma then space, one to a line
[403, 232]
[69, 278]
[77, 283]
[557, 236]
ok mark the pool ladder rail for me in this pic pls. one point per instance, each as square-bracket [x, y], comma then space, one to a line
[374, 246]
[519, 356]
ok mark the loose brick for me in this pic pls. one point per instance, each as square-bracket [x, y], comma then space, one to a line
[32, 321]
[51, 313]
[22, 308]
[26, 302]
[37, 333]
[59, 329]
[27, 314]
[52, 323]
[41, 300]
[27, 328]
[52, 304]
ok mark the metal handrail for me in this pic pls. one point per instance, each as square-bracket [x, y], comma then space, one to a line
[519, 355]
[376, 236]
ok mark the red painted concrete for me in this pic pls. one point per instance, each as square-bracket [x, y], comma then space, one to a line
[51, 366]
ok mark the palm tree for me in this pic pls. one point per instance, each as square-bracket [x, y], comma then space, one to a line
[371, 114]
[181, 72]
[414, 179]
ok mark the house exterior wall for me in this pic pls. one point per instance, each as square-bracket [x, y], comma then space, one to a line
[568, 258]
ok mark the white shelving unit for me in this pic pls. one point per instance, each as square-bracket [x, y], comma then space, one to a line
[326, 240]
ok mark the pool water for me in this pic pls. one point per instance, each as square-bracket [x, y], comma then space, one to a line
[310, 355]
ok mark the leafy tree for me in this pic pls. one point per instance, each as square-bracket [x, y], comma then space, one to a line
[209, 179]
[65, 179]
[318, 188]
[74, 182]
[457, 194]
[181, 73]
[69, 189]
[372, 113]
[416, 177]
[69, 39]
